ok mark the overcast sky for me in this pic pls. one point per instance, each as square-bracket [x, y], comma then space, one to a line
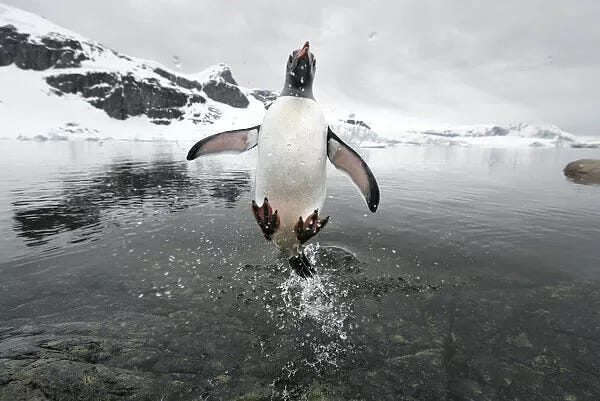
[392, 62]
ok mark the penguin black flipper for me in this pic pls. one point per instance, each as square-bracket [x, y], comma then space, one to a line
[236, 141]
[346, 159]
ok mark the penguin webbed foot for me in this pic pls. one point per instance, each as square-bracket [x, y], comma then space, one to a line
[267, 220]
[305, 230]
[302, 266]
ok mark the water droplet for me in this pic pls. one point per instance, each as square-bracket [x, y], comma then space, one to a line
[372, 35]
[177, 61]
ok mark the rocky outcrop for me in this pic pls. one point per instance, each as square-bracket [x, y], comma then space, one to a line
[178, 80]
[358, 133]
[485, 131]
[50, 51]
[123, 96]
[219, 85]
[224, 92]
[265, 96]
[586, 171]
[117, 84]
[358, 123]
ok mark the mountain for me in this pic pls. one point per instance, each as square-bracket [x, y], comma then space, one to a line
[517, 135]
[57, 84]
[55, 81]
[359, 133]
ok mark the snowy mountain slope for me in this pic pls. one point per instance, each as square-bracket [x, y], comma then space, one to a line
[358, 133]
[52, 78]
[518, 135]
[57, 84]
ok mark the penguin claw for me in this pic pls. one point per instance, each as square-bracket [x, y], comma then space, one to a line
[267, 220]
[305, 230]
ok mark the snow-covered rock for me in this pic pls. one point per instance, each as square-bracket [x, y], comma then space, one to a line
[518, 135]
[57, 84]
[51, 76]
[358, 133]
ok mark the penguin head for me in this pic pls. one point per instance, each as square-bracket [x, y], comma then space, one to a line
[300, 72]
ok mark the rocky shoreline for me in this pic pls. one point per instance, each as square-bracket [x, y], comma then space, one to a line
[459, 341]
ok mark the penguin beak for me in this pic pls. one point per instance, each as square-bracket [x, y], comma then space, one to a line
[303, 52]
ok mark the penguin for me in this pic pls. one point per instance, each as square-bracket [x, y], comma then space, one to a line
[294, 142]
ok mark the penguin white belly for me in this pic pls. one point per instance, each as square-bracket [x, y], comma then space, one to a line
[291, 170]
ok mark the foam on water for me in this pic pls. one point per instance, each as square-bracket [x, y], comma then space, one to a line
[317, 298]
[318, 308]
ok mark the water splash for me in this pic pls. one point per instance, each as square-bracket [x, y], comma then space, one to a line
[316, 299]
[177, 61]
[321, 301]
[316, 311]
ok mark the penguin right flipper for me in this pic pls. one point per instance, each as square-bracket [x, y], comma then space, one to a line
[236, 141]
[346, 159]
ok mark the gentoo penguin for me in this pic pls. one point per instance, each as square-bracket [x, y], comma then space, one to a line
[294, 141]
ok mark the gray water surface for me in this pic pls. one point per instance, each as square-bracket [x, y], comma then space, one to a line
[128, 273]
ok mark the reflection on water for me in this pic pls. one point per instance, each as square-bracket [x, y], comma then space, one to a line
[36, 224]
[584, 179]
[120, 191]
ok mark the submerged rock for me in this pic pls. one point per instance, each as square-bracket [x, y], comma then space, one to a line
[586, 171]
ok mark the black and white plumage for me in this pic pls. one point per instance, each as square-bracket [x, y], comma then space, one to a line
[294, 141]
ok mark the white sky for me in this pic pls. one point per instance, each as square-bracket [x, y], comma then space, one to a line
[392, 62]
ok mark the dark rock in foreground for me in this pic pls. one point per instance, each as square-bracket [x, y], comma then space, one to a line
[406, 343]
[586, 171]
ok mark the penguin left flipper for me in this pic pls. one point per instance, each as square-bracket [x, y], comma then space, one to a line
[235, 141]
[346, 159]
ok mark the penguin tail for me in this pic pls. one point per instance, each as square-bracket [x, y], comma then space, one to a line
[301, 265]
